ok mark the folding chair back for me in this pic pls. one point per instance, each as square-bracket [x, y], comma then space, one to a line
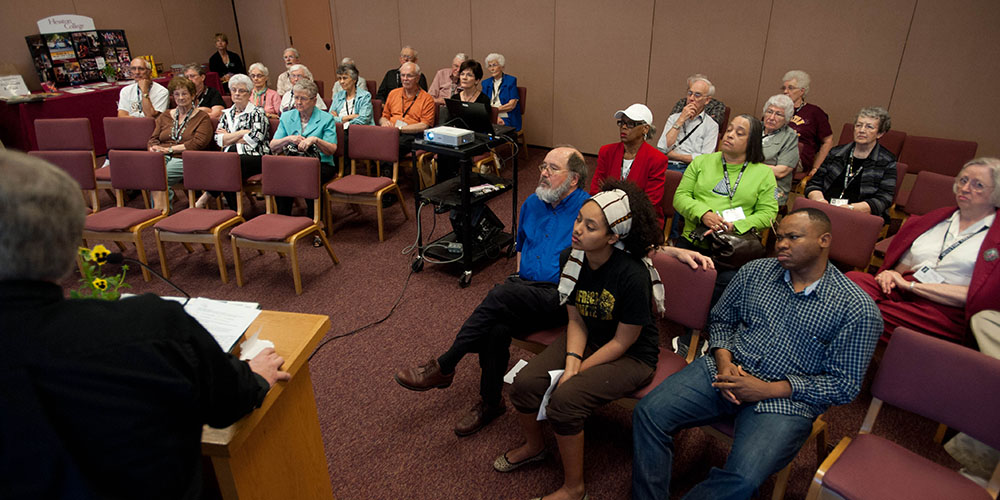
[212, 171]
[369, 142]
[942, 156]
[687, 292]
[64, 134]
[143, 170]
[78, 164]
[294, 176]
[128, 133]
[930, 191]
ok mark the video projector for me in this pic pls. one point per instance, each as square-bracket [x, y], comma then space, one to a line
[449, 136]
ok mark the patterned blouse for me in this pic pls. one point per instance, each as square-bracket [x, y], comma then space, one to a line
[253, 119]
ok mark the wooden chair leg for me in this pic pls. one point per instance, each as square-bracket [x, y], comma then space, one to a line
[221, 259]
[295, 268]
[402, 202]
[237, 264]
[121, 246]
[329, 249]
[141, 251]
[378, 211]
[939, 435]
[162, 253]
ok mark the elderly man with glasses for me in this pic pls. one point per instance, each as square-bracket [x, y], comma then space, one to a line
[144, 97]
[393, 80]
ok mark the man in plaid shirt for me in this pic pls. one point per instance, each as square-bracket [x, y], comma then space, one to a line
[789, 337]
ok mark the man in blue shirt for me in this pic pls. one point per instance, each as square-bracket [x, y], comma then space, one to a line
[789, 337]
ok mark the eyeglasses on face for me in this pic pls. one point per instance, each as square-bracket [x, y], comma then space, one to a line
[973, 184]
[697, 95]
[553, 169]
[629, 124]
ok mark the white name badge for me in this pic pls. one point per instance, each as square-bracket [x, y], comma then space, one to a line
[838, 202]
[926, 274]
[733, 214]
[400, 124]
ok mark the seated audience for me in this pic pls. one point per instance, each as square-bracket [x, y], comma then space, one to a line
[180, 129]
[144, 97]
[445, 82]
[790, 337]
[709, 197]
[689, 133]
[296, 73]
[306, 131]
[611, 344]
[408, 108]
[470, 77]
[261, 96]
[361, 83]
[224, 62]
[392, 79]
[860, 175]
[206, 98]
[942, 267]
[103, 399]
[291, 58]
[781, 144]
[810, 122]
[243, 130]
[632, 158]
[502, 91]
[352, 103]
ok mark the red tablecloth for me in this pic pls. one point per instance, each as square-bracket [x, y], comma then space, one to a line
[17, 121]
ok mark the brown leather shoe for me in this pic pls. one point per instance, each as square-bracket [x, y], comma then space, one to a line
[477, 418]
[424, 377]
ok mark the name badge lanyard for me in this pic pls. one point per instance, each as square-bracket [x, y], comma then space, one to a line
[178, 129]
[407, 110]
[945, 251]
[731, 188]
[850, 175]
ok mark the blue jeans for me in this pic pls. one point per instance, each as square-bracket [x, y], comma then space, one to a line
[763, 442]
[678, 224]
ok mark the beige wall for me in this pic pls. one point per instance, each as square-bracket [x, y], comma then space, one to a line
[174, 31]
[583, 59]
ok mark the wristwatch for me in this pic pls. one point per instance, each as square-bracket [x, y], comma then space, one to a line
[170, 150]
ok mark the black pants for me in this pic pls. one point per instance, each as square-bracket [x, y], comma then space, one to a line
[515, 307]
[249, 167]
[326, 173]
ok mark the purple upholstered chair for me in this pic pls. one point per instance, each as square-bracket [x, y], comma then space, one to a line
[938, 380]
[854, 233]
[64, 134]
[208, 171]
[376, 144]
[80, 166]
[930, 192]
[673, 180]
[293, 176]
[128, 133]
[143, 170]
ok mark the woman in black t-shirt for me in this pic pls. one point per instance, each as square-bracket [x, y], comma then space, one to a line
[611, 344]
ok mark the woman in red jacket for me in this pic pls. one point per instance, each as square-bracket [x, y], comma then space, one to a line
[633, 159]
[944, 267]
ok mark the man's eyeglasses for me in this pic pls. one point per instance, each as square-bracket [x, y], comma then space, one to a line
[697, 95]
[553, 169]
[136, 69]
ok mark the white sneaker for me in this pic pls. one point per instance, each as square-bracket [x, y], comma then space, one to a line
[203, 201]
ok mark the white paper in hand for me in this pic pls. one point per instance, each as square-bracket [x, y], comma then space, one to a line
[252, 346]
[554, 375]
[509, 377]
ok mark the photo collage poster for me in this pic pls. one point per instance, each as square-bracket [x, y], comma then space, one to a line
[78, 57]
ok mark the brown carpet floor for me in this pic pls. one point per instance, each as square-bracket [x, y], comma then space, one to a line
[385, 442]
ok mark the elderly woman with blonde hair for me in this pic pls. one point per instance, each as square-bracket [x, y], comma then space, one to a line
[502, 91]
[261, 96]
[781, 143]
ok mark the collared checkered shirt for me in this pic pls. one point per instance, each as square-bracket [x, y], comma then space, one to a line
[820, 340]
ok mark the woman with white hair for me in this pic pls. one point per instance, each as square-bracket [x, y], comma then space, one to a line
[243, 130]
[296, 73]
[632, 158]
[502, 91]
[361, 83]
[352, 104]
[943, 267]
[810, 122]
[781, 143]
[260, 95]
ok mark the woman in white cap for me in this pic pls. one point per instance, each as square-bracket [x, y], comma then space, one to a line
[611, 344]
[632, 158]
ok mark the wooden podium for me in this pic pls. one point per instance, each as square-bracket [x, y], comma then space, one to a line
[277, 450]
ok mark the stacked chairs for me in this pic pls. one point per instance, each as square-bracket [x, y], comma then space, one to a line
[80, 166]
[143, 170]
[923, 375]
[209, 171]
[375, 144]
[283, 176]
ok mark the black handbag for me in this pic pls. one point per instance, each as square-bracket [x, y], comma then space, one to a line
[730, 251]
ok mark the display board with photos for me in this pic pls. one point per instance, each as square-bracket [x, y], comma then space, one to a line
[78, 57]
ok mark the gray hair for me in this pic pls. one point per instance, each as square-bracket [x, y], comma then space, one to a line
[241, 79]
[195, 66]
[416, 67]
[781, 101]
[349, 70]
[293, 50]
[698, 77]
[306, 86]
[41, 219]
[347, 60]
[296, 67]
[144, 62]
[652, 131]
[408, 47]
[983, 161]
[259, 67]
[880, 114]
[801, 79]
[499, 58]
[576, 164]
[461, 57]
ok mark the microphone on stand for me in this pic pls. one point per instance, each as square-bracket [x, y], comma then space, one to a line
[117, 259]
